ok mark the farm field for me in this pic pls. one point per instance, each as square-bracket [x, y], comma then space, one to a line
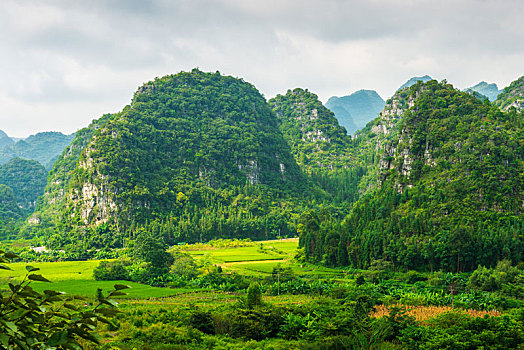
[211, 310]
[76, 277]
[260, 258]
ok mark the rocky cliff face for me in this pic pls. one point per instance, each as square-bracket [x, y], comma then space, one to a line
[317, 140]
[512, 96]
[49, 206]
[377, 144]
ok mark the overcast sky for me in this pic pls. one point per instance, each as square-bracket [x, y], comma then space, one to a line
[64, 63]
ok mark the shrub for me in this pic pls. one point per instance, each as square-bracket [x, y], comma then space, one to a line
[112, 271]
[202, 321]
[48, 320]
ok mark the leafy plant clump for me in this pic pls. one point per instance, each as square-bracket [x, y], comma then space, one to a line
[48, 320]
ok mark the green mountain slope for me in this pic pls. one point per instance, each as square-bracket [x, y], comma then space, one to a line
[356, 110]
[195, 155]
[10, 213]
[27, 179]
[5, 140]
[512, 96]
[49, 205]
[317, 140]
[318, 143]
[451, 188]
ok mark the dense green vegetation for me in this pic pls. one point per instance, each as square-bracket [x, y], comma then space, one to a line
[48, 320]
[196, 156]
[43, 221]
[10, 213]
[316, 139]
[285, 308]
[27, 178]
[409, 231]
[320, 145]
[451, 192]
[512, 96]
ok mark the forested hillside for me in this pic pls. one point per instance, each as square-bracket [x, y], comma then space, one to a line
[27, 179]
[10, 213]
[491, 91]
[451, 189]
[5, 140]
[194, 156]
[319, 144]
[512, 96]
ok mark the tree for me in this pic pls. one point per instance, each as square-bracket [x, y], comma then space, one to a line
[48, 320]
[254, 295]
[152, 250]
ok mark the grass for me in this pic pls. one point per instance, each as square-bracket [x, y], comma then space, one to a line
[259, 251]
[87, 288]
[76, 278]
[55, 271]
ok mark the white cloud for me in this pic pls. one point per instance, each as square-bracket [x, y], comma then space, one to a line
[66, 62]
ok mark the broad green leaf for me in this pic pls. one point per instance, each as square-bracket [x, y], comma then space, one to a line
[10, 256]
[4, 267]
[121, 286]
[39, 278]
[52, 292]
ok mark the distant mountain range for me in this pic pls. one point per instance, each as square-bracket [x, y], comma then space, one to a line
[491, 91]
[44, 147]
[356, 110]
[5, 140]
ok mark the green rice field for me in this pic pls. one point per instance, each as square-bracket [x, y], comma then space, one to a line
[76, 277]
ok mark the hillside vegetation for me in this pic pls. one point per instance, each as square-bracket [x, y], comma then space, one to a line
[450, 194]
[194, 156]
[27, 179]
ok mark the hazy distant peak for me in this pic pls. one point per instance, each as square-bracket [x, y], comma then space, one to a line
[5, 140]
[414, 80]
[356, 110]
[490, 90]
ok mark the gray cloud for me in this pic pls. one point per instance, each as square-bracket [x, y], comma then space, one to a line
[66, 62]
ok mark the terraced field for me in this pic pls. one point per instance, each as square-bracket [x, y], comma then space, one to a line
[259, 258]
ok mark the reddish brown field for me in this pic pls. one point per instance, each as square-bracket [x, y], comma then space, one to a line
[422, 313]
